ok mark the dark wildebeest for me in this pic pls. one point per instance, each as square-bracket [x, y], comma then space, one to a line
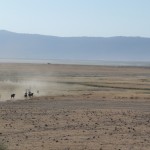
[12, 95]
[26, 95]
[30, 94]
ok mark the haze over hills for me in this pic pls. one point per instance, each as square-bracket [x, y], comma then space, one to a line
[34, 46]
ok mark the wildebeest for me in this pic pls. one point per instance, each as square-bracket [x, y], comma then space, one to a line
[12, 95]
[26, 95]
[30, 94]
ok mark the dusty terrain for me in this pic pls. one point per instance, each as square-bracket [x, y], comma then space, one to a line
[78, 107]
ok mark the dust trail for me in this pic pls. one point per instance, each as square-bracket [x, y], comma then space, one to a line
[40, 86]
[19, 88]
[18, 78]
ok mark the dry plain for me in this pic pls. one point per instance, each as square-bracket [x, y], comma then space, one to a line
[77, 107]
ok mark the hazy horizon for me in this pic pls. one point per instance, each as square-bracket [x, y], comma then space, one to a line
[81, 36]
[76, 62]
[33, 46]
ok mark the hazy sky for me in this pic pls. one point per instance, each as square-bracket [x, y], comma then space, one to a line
[77, 17]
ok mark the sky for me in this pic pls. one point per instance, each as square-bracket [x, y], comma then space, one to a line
[69, 18]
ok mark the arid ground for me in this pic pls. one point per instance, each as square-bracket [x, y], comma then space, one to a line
[77, 107]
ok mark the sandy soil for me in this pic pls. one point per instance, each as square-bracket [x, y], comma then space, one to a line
[84, 107]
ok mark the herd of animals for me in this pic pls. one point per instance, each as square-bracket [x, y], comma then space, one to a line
[26, 94]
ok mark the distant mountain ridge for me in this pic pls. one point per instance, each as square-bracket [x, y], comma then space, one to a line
[35, 46]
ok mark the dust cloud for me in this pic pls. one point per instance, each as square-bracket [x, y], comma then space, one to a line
[18, 79]
[20, 87]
